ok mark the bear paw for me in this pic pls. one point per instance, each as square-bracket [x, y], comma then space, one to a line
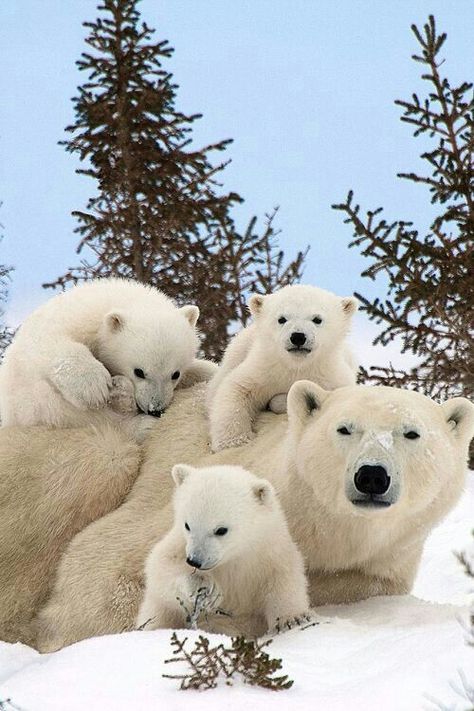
[202, 598]
[278, 404]
[232, 441]
[122, 396]
[303, 620]
[86, 384]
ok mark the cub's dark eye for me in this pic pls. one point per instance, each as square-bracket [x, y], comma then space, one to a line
[175, 375]
[343, 430]
[187, 527]
[317, 320]
[411, 434]
[138, 372]
[221, 531]
[282, 319]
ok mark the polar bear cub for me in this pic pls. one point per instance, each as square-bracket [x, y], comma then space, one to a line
[298, 333]
[62, 360]
[229, 546]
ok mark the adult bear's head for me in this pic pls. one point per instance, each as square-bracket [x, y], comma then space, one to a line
[378, 451]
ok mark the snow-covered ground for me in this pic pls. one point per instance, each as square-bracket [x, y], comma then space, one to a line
[384, 654]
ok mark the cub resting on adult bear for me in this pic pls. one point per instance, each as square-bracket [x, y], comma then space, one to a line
[298, 333]
[107, 340]
[230, 531]
[363, 475]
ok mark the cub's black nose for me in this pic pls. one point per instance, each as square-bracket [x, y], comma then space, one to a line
[372, 479]
[297, 338]
[155, 413]
[193, 563]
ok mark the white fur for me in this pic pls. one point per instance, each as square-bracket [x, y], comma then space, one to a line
[62, 359]
[254, 571]
[259, 368]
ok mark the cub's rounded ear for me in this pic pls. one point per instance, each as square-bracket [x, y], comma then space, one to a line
[180, 472]
[263, 492]
[349, 305]
[115, 321]
[304, 399]
[191, 313]
[459, 414]
[255, 304]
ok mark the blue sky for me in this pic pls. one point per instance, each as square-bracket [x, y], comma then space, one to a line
[305, 88]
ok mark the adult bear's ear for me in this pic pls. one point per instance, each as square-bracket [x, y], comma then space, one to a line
[349, 305]
[304, 400]
[115, 321]
[191, 313]
[255, 304]
[180, 472]
[459, 414]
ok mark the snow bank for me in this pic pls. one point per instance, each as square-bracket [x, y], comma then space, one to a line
[393, 654]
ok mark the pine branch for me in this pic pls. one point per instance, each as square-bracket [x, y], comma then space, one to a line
[244, 658]
[430, 281]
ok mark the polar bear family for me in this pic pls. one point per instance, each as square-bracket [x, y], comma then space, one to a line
[362, 473]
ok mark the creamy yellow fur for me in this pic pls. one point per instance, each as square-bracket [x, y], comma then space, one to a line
[52, 485]
[349, 554]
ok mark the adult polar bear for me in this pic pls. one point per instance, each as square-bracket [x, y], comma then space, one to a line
[363, 475]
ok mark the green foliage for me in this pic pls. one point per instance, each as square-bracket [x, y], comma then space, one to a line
[159, 214]
[430, 277]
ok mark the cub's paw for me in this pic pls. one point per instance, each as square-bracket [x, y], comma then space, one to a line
[278, 404]
[138, 427]
[122, 396]
[86, 385]
[201, 597]
[200, 371]
[302, 621]
[231, 441]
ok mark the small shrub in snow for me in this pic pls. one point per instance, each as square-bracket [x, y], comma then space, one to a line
[243, 658]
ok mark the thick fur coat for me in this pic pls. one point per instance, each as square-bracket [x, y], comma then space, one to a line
[355, 544]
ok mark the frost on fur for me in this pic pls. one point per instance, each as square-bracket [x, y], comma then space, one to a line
[298, 333]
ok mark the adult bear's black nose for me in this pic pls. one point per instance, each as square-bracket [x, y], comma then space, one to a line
[372, 479]
[155, 413]
[193, 562]
[297, 338]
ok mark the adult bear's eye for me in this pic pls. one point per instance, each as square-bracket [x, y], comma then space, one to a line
[221, 531]
[317, 320]
[175, 375]
[282, 319]
[138, 372]
[411, 434]
[186, 525]
[343, 430]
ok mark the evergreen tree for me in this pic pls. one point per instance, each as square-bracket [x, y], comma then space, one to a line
[248, 262]
[159, 215]
[430, 277]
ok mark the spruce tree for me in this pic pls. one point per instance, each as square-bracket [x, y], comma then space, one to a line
[430, 276]
[248, 262]
[159, 214]
[158, 198]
